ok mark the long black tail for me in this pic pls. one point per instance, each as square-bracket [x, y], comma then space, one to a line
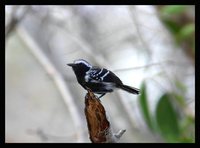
[130, 89]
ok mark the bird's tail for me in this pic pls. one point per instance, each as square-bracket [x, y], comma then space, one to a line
[130, 89]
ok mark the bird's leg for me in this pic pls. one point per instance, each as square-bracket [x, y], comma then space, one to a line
[101, 95]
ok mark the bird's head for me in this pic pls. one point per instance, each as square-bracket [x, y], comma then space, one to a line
[80, 65]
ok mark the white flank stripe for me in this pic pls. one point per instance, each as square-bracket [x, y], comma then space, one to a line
[87, 78]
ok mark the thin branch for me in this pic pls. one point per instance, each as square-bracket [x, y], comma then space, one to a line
[170, 62]
[137, 26]
[127, 106]
[15, 20]
[57, 78]
[46, 136]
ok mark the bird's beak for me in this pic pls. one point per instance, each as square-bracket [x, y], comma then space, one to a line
[71, 64]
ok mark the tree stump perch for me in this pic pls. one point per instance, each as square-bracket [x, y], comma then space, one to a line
[99, 127]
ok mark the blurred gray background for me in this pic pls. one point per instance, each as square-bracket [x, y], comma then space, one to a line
[44, 102]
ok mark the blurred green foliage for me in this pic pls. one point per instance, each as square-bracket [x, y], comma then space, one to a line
[173, 9]
[145, 109]
[168, 120]
[182, 26]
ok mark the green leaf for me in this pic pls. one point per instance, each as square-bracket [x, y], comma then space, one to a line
[187, 129]
[174, 9]
[180, 86]
[186, 31]
[144, 107]
[172, 26]
[180, 99]
[167, 119]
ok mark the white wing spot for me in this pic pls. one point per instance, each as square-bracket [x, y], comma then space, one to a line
[104, 75]
[100, 72]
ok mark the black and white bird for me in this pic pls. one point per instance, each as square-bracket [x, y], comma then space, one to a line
[99, 80]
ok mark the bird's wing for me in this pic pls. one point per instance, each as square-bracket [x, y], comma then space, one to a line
[95, 79]
[101, 75]
[94, 74]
